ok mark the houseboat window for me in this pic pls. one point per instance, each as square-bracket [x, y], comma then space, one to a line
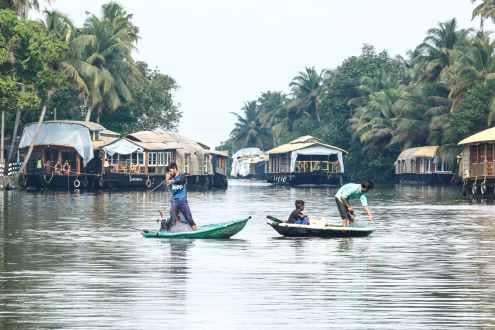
[482, 153]
[474, 154]
[152, 159]
[140, 158]
[114, 159]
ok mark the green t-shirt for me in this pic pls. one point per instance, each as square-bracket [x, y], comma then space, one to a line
[352, 191]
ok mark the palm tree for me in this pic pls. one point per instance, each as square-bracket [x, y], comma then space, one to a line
[249, 131]
[473, 66]
[306, 87]
[21, 7]
[436, 52]
[485, 10]
[373, 122]
[100, 60]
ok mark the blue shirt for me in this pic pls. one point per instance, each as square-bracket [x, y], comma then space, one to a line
[352, 191]
[178, 188]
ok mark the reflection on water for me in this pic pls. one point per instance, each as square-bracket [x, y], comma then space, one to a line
[71, 261]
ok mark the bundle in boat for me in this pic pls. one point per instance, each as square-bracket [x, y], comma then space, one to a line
[318, 229]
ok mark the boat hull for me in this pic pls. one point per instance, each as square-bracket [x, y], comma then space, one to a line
[323, 231]
[214, 231]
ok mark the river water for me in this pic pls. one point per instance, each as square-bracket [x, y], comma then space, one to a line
[69, 261]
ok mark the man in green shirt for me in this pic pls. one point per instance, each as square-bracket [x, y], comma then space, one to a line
[352, 191]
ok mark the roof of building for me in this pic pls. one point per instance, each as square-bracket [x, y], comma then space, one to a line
[171, 139]
[103, 141]
[419, 152]
[302, 142]
[223, 153]
[488, 135]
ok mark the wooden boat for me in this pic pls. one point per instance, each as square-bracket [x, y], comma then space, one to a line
[318, 230]
[213, 231]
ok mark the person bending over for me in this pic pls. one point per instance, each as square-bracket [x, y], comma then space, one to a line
[178, 199]
[353, 191]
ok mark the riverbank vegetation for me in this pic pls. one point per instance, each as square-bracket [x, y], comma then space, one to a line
[374, 105]
[83, 72]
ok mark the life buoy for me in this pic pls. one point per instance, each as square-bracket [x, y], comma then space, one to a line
[148, 183]
[77, 183]
[66, 168]
[474, 189]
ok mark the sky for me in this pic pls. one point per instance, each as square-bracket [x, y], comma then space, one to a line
[224, 53]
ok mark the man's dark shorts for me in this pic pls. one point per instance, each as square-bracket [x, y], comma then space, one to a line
[344, 212]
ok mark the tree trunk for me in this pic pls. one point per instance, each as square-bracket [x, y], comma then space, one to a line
[2, 142]
[31, 147]
[14, 135]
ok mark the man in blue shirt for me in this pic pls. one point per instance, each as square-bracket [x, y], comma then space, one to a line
[352, 191]
[178, 198]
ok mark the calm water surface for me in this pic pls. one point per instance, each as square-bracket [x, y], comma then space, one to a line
[70, 261]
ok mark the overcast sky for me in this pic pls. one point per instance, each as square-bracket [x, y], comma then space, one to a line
[226, 52]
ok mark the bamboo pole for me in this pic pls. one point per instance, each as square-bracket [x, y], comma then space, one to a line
[31, 147]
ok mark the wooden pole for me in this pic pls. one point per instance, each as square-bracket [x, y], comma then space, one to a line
[2, 142]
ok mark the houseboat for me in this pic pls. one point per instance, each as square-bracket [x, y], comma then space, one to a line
[477, 164]
[249, 163]
[424, 165]
[139, 160]
[66, 154]
[306, 161]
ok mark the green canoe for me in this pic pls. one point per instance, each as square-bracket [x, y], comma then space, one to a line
[218, 231]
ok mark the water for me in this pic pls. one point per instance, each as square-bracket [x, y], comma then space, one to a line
[69, 261]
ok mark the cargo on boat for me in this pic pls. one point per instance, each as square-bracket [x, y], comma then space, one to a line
[477, 164]
[66, 154]
[249, 163]
[139, 160]
[318, 230]
[306, 161]
[424, 165]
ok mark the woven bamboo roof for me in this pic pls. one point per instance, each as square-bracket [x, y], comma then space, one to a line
[302, 142]
[488, 135]
[419, 152]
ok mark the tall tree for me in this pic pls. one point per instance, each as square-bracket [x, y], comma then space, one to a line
[436, 53]
[249, 131]
[484, 10]
[305, 89]
[20, 7]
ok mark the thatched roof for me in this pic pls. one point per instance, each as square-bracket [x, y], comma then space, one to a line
[419, 152]
[488, 135]
[301, 143]
[173, 140]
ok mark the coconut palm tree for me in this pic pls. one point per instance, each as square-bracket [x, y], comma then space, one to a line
[475, 65]
[249, 131]
[306, 88]
[21, 7]
[484, 10]
[104, 60]
[437, 50]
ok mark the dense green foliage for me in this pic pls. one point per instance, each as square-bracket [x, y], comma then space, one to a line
[375, 105]
[88, 71]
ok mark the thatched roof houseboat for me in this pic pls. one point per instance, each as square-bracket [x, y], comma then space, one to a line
[424, 165]
[249, 163]
[140, 159]
[306, 161]
[65, 154]
[477, 163]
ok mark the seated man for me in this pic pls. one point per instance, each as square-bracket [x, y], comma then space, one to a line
[297, 216]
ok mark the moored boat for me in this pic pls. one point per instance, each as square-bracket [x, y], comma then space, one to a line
[318, 230]
[212, 231]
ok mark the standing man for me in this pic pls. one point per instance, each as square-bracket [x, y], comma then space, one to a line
[353, 191]
[178, 199]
